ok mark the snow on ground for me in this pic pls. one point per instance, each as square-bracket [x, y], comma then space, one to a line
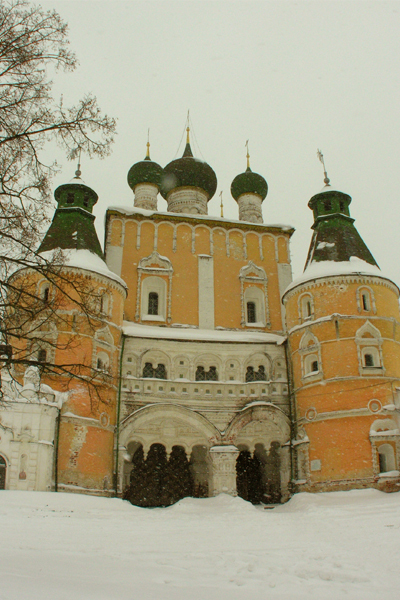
[343, 545]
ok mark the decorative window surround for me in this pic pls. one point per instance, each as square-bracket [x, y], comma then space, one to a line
[160, 267]
[384, 436]
[256, 291]
[369, 349]
[310, 353]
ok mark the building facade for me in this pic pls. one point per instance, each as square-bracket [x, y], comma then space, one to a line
[215, 372]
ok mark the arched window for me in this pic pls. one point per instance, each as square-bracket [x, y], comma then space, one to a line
[154, 299]
[159, 372]
[153, 304]
[369, 346]
[387, 461]
[306, 307]
[70, 198]
[203, 375]
[365, 299]
[255, 306]
[46, 294]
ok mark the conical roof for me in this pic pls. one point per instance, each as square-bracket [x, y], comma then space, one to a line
[335, 237]
[73, 222]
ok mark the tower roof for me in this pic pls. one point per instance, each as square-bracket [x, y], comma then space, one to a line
[73, 222]
[188, 172]
[335, 237]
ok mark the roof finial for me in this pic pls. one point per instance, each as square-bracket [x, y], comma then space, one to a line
[187, 130]
[248, 155]
[78, 172]
[321, 158]
[222, 204]
[148, 145]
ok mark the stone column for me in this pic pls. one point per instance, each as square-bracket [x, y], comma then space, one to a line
[223, 459]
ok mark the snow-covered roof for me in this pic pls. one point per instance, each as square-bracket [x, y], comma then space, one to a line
[87, 260]
[150, 213]
[329, 268]
[189, 333]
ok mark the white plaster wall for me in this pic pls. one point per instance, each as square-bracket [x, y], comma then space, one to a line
[114, 258]
[28, 428]
[206, 292]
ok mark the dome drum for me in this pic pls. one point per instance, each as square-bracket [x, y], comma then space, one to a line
[250, 208]
[189, 200]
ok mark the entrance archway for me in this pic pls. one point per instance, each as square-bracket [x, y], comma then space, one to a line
[3, 472]
[258, 474]
[159, 480]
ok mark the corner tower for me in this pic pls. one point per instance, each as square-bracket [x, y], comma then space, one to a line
[343, 318]
[78, 336]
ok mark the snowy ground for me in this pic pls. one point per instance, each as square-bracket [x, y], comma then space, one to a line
[334, 546]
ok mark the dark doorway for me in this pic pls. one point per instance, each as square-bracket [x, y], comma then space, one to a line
[258, 475]
[3, 470]
[159, 480]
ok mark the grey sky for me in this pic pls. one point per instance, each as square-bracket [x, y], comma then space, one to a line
[289, 76]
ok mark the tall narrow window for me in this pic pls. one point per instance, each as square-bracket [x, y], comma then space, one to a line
[365, 299]
[308, 308]
[251, 312]
[70, 198]
[153, 303]
[86, 201]
[314, 366]
[42, 356]
[46, 295]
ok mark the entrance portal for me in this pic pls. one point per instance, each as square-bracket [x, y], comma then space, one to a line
[258, 476]
[157, 480]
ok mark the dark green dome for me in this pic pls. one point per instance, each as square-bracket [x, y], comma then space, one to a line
[145, 171]
[249, 183]
[188, 172]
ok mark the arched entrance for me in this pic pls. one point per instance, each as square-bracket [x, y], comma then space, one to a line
[258, 474]
[159, 480]
[3, 471]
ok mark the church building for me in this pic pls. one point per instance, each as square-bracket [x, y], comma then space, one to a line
[216, 372]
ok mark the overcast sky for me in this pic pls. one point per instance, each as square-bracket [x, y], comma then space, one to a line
[289, 76]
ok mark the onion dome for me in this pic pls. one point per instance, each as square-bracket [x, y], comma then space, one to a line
[145, 171]
[188, 172]
[249, 183]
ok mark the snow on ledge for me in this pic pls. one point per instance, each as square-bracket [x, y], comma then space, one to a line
[149, 213]
[329, 268]
[212, 335]
[389, 474]
[87, 260]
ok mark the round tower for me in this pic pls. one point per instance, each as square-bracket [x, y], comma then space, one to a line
[249, 190]
[188, 183]
[76, 340]
[343, 319]
[144, 178]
